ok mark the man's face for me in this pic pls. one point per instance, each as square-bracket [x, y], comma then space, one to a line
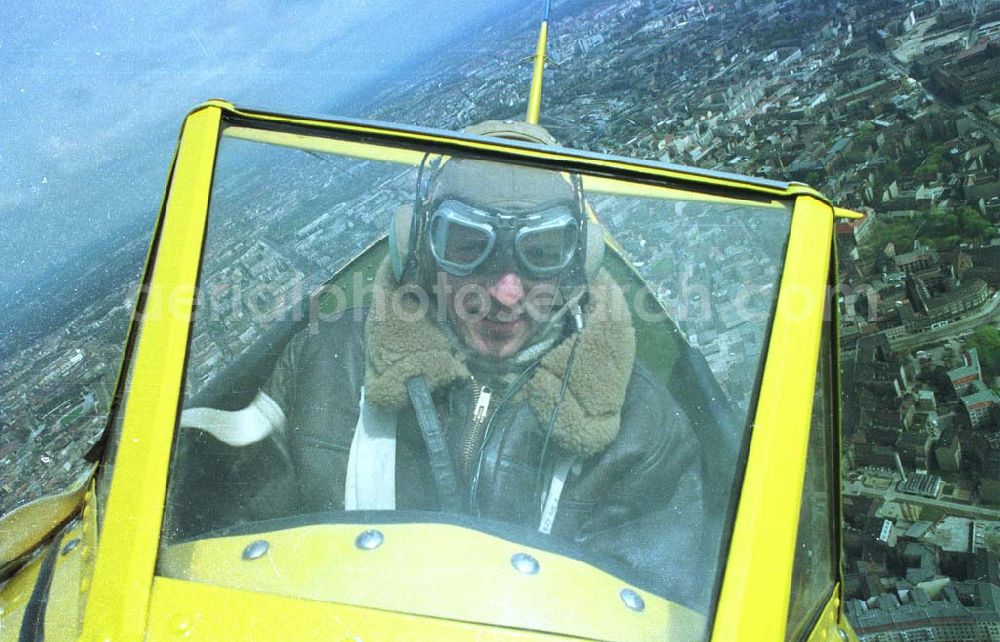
[500, 235]
[495, 315]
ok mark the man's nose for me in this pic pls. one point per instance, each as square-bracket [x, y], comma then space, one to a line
[508, 290]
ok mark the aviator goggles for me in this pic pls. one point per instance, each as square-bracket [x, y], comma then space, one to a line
[463, 238]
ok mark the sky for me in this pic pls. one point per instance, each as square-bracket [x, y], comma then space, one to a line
[92, 96]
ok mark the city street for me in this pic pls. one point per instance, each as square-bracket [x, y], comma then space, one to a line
[891, 495]
[989, 314]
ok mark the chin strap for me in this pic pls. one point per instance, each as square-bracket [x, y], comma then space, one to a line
[442, 466]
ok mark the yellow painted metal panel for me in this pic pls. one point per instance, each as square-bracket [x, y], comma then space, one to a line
[617, 187]
[591, 184]
[340, 147]
[840, 212]
[754, 600]
[829, 624]
[27, 526]
[14, 597]
[190, 611]
[69, 584]
[63, 615]
[470, 572]
[123, 574]
[89, 539]
[527, 152]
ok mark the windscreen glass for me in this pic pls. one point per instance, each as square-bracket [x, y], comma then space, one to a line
[390, 339]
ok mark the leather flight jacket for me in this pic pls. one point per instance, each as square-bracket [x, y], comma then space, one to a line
[633, 496]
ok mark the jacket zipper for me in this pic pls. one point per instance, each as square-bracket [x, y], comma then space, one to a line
[509, 393]
[473, 435]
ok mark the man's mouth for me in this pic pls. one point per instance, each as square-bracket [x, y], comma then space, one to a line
[505, 315]
[496, 315]
[503, 324]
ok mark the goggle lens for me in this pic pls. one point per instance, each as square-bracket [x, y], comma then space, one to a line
[462, 238]
[466, 245]
[548, 249]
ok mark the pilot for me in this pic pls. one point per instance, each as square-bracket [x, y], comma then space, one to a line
[494, 377]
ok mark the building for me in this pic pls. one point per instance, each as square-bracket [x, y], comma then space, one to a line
[913, 615]
[922, 258]
[914, 450]
[948, 451]
[922, 484]
[981, 405]
[858, 230]
[950, 305]
[964, 375]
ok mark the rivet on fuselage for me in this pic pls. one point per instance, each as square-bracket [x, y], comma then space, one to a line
[632, 599]
[369, 540]
[255, 549]
[70, 545]
[525, 564]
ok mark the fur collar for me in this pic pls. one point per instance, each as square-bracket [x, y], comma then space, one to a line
[401, 343]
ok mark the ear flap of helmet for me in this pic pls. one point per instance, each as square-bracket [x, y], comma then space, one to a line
[594, 250]
[401, 239]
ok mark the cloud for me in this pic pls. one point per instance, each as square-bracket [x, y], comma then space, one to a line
[94, 94]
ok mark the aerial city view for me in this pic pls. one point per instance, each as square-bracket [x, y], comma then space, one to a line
[887, 107]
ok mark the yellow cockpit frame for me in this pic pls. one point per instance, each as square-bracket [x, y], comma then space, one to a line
[126, 600]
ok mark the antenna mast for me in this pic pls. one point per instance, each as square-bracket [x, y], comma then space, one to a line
[535, 97]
